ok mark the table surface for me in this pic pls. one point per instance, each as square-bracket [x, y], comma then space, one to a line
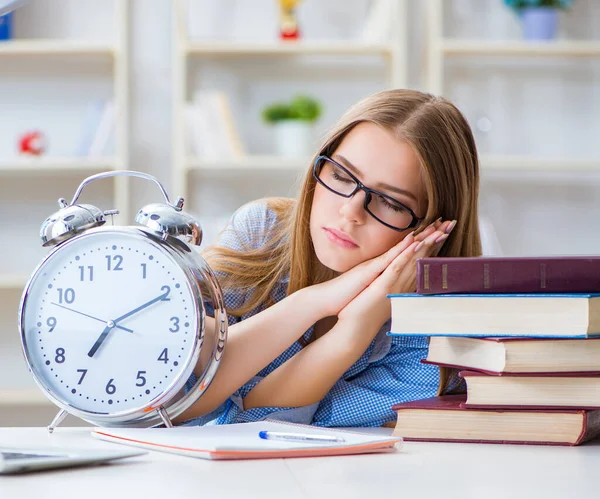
[448, 470]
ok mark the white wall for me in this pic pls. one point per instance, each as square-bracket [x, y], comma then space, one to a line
[546, 107]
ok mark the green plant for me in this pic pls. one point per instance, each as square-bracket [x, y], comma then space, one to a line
[518, 5]
[301, 107]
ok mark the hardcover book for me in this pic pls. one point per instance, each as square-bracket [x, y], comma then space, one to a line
[516, 355]
[535, 315]
[552, 274]
[516, 391]
[444, 419]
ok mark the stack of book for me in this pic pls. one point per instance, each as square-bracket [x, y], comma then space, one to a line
[524, 334]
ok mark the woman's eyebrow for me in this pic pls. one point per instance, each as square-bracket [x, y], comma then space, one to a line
[355, 170]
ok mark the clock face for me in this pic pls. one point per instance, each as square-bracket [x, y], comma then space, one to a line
[109, 322]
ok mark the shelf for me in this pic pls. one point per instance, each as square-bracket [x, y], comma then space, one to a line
[282, 48]
[55, 47]
[506, 163]
[16, 282]
[250, 163]
[55, 165]
[515, 48]
[22, 396]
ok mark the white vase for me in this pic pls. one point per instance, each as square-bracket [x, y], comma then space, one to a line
[294, 138]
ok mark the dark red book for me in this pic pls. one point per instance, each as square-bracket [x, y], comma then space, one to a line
[532, 390]
[445, 419]
[543, 274]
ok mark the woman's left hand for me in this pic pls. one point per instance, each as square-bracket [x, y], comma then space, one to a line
[372, 305]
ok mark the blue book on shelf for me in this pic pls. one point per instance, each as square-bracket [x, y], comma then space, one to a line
[573, 315]
[6, 26]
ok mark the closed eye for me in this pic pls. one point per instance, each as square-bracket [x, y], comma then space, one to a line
[392, 206]
[338, 177]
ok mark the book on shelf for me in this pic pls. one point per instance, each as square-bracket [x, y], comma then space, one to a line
[541, 391]
[6, 26]
[377, 27]
[98, 128]
[445, 419]
[526, 315]
[212, 133]
[486, 274]
[515, 355]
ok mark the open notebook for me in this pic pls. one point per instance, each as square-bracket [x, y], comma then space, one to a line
[242, 441]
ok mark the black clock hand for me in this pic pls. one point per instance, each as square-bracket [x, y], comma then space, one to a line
[92, 317]
[99, 341]
[112, 324]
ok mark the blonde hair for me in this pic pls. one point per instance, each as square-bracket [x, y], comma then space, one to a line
[443, 142]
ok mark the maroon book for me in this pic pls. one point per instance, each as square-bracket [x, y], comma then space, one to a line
[543, 274]
[445, 419]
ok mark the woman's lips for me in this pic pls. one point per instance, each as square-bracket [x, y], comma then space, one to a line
[339, 238]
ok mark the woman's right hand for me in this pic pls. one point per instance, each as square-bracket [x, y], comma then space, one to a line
[333, 295]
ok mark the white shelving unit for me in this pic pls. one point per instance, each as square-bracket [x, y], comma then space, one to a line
[185, 50]
[440, 49]
[17, 392]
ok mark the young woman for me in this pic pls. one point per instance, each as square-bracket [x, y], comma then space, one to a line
[305, 281]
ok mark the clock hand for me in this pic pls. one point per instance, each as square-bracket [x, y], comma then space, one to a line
[91, 317]
[111, 324]
[141, 307]
[100, 339]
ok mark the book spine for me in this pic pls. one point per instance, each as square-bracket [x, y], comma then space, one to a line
[507, 275]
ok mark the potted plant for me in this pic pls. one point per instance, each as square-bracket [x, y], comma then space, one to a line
[539, 18]
[293, 123]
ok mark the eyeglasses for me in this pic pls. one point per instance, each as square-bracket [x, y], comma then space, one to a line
[383, 208]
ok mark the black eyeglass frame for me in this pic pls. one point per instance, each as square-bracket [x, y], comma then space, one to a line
[368, 193]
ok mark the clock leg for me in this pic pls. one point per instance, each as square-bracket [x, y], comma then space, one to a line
[57, 420]
[164, 416]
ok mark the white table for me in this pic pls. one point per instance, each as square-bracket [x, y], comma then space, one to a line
[426, 470]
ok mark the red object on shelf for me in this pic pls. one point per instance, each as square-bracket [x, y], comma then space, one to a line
[32, 143]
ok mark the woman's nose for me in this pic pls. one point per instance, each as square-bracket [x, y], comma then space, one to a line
[353, 208]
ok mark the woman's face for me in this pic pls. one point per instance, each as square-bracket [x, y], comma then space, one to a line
[343, 233]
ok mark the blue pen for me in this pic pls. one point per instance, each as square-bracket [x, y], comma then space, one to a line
[298, 437]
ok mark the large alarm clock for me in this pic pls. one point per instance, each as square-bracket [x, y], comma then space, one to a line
[113, 320]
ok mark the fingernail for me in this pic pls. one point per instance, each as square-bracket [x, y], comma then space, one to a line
[443, 237]
[450, 227]
[418, 246]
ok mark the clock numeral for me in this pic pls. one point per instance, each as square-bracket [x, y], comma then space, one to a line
[114, 262]
[60, 355]
[140, 377]
[83, 373]
[167, 291]
[164, 355]
[82, 272]
[143, 270]
[110, 388]
[66, 295]
[51, 322]
[175, 326]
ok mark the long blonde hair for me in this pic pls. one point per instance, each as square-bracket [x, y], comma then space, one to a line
[444, 145]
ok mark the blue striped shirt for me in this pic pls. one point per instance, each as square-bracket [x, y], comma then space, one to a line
[389, 371]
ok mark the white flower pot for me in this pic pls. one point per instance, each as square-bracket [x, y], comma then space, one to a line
[294, 138]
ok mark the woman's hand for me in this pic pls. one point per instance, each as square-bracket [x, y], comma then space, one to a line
[335, 294]
[399, 276]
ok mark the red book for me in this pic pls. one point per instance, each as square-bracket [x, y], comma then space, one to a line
[543, 274]
[445, 419]
[532, 391]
